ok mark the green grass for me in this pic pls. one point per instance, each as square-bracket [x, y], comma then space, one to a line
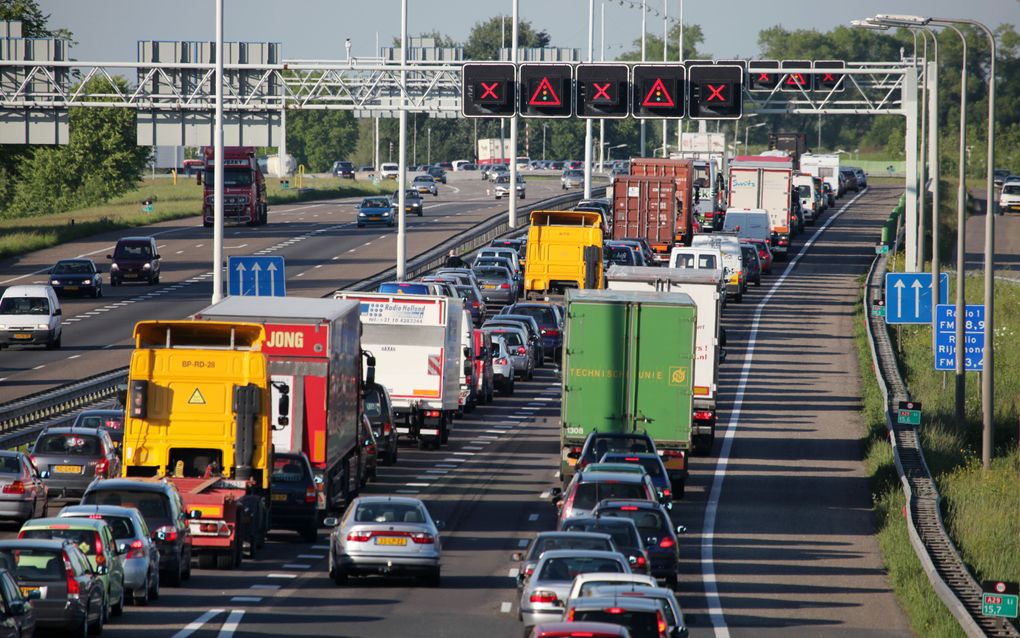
[170, 201]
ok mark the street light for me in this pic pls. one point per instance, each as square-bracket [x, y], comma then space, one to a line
[609, 149]
[748, 128]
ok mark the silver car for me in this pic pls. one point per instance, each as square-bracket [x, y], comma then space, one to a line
[134, 543]
[496, 283]
[502, 366]
[385, 535]
[502, 188]
[549, 541]
[518, 347]
[23, 495]
[425, 184]
[545, 594]
[572, 178]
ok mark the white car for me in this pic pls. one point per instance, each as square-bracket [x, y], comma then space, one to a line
[30, 315]
[503, 375]
[1009, 200]
[502, 188]
[389, 170]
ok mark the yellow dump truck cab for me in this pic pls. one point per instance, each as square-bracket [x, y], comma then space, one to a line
[198, 402]
[564, 251]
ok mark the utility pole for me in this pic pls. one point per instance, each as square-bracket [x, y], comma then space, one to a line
[402, 153]
[217, 293]
[514, 32]
[587, 122]
[644, 12]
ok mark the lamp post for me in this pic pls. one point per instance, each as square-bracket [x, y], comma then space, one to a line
[747, 129]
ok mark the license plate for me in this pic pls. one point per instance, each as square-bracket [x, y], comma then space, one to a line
[488, 286]
[25, 591]
[390, 540]
[67, 469]
[407, 209]
[279, 497]
[70, 287]
[130, 275]
[374, 217]
[571, 462]
[23, 335]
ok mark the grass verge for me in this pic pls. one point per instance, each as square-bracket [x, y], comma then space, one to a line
[170, 201]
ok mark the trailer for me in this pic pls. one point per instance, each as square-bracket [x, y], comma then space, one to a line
[758, 181]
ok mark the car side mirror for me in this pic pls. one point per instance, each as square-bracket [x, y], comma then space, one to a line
[331, 521]
[44, 474]
[318, 480]
[193, 514]
[35, 594]
[122, 548]
[156, 257]
[517, 556]
[102, 570]
[440, 524]
[109, 256]
[681, 529]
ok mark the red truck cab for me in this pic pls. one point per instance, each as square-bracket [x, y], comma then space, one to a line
[244, 187]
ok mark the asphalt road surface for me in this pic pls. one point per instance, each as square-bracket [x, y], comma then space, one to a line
[320, 242]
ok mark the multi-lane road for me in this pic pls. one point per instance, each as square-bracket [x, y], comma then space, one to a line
[323, 248]
[781, 538]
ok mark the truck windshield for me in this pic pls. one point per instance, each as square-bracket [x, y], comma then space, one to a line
[231, 176]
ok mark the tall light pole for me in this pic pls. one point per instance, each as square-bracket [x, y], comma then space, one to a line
[602, 120]
[217, 293]
[402, 153]
[512, 220]
[588, 122]
[644, 14]
[665, 58]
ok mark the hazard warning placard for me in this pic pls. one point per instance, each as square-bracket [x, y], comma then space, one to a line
[658, 90]
[546, 90]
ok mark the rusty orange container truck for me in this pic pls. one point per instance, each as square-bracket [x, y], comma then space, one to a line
[654, 203]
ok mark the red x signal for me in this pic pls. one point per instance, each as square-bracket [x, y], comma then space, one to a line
[601, 91]
[715, 93]
[764, 77]
[489, 90]
[828, 77]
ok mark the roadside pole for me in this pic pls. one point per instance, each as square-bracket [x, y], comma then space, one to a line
[512, 221]
[217, 293]
[402, 153]
[588, 122]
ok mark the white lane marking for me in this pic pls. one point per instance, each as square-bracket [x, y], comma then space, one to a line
[473, 447]
[199, 245]
[514, 571]
[529, 408]
[319, 266]
[713, 602]
[502, 429]
[506, 607]
[197, 624]
[535, 403]
[315, 556]
[230, 625]
[179, 252]
[74, 356]
[353, 250]
[246, 599]
[523, 542]
[445, 465]
[337, 257]
[418, 484]
[320, 546]
[486, 436]
[277, 575]
[542, 399]
[39, 367]
[465, 453]
[532, 517]
[434, 472]
[266, 587]
[296, 566]
[3, 378]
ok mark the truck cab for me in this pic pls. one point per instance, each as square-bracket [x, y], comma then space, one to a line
[564, 251]
[244, 187]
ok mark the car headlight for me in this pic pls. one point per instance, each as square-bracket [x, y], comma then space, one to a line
[386, 214]
[55, 282]
[87, 282]
[147, 266]
[114, 266]
[42, 326]
[361, 213]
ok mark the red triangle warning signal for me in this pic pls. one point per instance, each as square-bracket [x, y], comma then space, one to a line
[545, 95]
[658, 96]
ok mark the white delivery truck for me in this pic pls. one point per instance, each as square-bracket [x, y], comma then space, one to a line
[416, 342]
[758, 181]
[804, 187]
[728, 245]
[704, 286]
[824, 167]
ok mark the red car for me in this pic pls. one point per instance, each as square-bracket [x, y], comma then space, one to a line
[570, 630]
[483, 366]
[764, 253]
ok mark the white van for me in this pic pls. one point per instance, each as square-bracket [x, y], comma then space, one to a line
[732, 260]
[389, 170]
[748, 223]
[805, 191]
[30, 315]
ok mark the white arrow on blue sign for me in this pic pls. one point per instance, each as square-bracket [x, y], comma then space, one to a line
[908, 297]
[256, 276]
[973, 337]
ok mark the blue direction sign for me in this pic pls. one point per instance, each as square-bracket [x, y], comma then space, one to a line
[256, 276]
[945, 338]
[908, 297]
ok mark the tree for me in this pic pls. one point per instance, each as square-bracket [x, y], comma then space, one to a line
[486, 38]
[693, 36]
[318, 138]
[34, 24]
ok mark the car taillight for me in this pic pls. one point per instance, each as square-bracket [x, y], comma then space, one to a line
[570, 616]
[666, 492]
[551, 332]
[640, 561]
[504, 286]
[101, 467]
[501, 361]
[370, 448]
[613, 610]
[167, 533]
[673, 453]
[666, 543]
[432, 413]
[628, 508]
[17, 487]
[521, 350]
[72, 584]
[423, 538]
[541, 596]
[631, 459]
[100, 558]
[475, 304]
[702, 415]
[386, 429]
[312, 495]
[529, 571]
[359, 537]
[660, 621]
[136, 549]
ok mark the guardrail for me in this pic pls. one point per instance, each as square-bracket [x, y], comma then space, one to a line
[953, 584]
[22, 418]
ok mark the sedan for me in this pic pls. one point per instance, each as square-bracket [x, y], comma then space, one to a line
[656, 529]
[547, 541]
[496, 283]
[572, 179]
[651, 464]
[23, 494]
[70, 459]
[385, 535]
[438, 174]
[76, 276]
[503, 375]
[379, 411]
[376, 210]
[517, 345]
[502, 188]
[425, 184]
[544, 596]
[413, 203]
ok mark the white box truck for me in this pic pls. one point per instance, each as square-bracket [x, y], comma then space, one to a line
[416, 342]
[758, 181]
[824, 167]
[705, 288]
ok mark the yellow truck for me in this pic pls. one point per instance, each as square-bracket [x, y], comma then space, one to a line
[564, 251]
[198, 413]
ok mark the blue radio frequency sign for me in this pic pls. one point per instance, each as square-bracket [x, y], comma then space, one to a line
[973, 333]
[256, 276]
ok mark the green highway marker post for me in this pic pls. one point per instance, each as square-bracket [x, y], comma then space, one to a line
[909, 413]
[878, 308]
[881, 249]
[999, 598]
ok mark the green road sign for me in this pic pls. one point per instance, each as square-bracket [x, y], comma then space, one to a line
[999, 599]
[878, 311]
[909, 413]
[881, 250]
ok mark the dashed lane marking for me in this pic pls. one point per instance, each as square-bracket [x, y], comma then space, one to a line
[314, 556]
[246, 599]
[506, 607]
[532, 517]
[418, 484]
[198, 623]
[513, 573]
[266, 587]
[279, 575]
[230, 625]
[523, 542]
[296, 566]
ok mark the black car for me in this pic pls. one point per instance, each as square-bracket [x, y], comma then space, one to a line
[17, 615]
[163, 510]
[344, 169]
[656, 530]
[75, 595]
[110, 420]
[295, 495]
[653, 466]
[437, 174]
[623, 531]
[76, 276]
[70, 458]
[599, 443]
[134, 259]
[412, 201]
[379, 411]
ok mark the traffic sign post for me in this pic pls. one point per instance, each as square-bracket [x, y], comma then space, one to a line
[603, 90]
[546, 91]
[999, 599]
[658, 91]
[716, 91]
[909, 413]
[878, 308]
[908, 296]
[488, 90]
[256, 276]
[945, 338]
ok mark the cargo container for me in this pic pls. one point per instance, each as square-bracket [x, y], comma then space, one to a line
[763, 182]
[681, 172]
[629, 367]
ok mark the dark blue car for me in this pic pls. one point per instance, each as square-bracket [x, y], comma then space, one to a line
[295, 495]
[549, 317]
[653, 467]
[76, 276]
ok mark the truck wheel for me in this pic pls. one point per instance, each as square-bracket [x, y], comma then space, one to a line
[421, 443]
[206, 561]
[225, 561]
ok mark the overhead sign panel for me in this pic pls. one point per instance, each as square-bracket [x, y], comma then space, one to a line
[716, 91]
[546, 90]
[798, 79]
[762, 75]
[488, 90]
[658, 91]
[603, 90]
[827, 75]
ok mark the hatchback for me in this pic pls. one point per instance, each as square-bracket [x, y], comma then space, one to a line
[764, 253]
[75, 598]
[76, 276]
[23, 494]
[141, 557]
[753, 262]
[379, 410]
[295, 495]
[652, 465]
[385, 535]
[586, 490]
[496, 283]
[342, 168]
[516, 340]
[643, 617]
[624, 533]
[578, 630]
[543, 597]
[95, 539]
[438, 174]
[670, 606]
[503, 375]
[549, 317]
[134, 259]
[376, 210]
[17, 616]
[70, 458]
[413, 203]
[474, 302]
[547, 541]
[656, 530]
[425, 184]
[598, 443]
[110, 420]
[536, 346]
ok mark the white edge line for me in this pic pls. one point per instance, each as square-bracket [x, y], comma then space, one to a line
[712, 600]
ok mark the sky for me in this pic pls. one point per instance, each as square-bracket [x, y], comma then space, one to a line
[107, 30]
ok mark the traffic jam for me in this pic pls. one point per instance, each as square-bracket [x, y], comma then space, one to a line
[268, 414]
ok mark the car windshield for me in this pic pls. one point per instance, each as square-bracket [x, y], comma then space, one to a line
[604, 444]
[619, 255]
[120, 525]
[10, 465]
[490, 273]
[545, 316]
[373, 403]
[388, 512]
[1011, 189]
[623, 534]
[404, 289]
[101, 421]
[568, 567]
[511, 338]
[468, 292]
[25, 306]
[153, 506]
[805, 191]
[68, 444]
[640, 624]
[587, 495]
[549, 543]
[652, 465]
[375, 203]
[73, 268]
[231, 176]
[289, 469]
[347, 166]
[688, 260]
[33, 565]
[423, 179]
[133, 251]
[574, 173]
[648, 522]
[85, 539]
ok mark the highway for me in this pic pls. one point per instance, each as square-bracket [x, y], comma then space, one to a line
[322, 246]
[780, 541]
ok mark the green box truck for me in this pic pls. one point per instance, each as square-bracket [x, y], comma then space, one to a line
[628, 366]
